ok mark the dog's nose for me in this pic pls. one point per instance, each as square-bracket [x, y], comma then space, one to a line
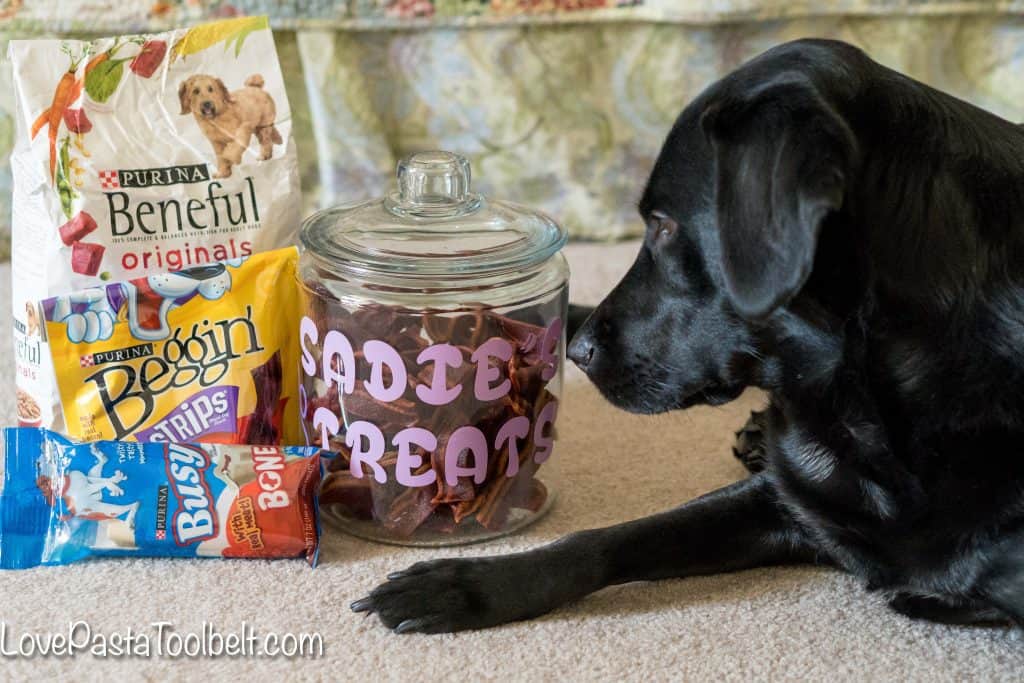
[207, 107]
[581, 349]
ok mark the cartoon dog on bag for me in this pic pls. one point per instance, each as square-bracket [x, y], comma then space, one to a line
[82, 494]
[90, 315]
[230, 119]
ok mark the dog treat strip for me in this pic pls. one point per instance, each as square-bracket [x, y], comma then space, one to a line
[65, 501]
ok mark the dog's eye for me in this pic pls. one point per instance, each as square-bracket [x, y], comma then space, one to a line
[195, 91]
[662, 226]
[209, 88]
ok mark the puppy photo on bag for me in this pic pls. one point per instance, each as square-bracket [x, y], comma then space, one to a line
[230, 119]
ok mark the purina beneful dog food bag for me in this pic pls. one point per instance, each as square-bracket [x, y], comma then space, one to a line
[138, 155]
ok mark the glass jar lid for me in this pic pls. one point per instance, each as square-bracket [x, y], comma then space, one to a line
[433, 225]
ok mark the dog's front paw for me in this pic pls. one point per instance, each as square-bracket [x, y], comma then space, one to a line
[442, 596]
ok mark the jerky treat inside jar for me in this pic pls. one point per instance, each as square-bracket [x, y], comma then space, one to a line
[431, 357]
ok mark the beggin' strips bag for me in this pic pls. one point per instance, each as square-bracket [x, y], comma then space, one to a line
[141, 154]
[64, 501]
[203, 354]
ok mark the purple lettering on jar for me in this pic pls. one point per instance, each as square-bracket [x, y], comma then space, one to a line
[495, 347]
[408, 462]
[450, 413]
[381, 356]
[438, 393]
[366, 444]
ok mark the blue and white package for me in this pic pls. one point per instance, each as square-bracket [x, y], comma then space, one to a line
[65, 501]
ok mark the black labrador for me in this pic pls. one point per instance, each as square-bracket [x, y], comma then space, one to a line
[851, 241]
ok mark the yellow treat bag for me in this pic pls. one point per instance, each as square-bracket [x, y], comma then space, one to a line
[202, 354]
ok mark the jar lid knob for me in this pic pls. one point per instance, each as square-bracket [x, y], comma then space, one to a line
[433, 184]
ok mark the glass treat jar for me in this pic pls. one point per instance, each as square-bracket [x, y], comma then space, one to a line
[432, 350]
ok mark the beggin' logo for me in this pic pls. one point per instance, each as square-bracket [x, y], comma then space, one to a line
[201, 357]
[195, 519]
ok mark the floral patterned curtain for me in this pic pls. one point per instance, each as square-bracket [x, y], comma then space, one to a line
[560, 104]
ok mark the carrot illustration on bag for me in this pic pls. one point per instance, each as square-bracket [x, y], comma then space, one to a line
[45, 116]
[68, 90]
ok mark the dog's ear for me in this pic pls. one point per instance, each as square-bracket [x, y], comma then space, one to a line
[224, 92]
[184, 97]
[782, 158]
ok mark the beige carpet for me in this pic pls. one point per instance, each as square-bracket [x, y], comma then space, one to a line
[784, 624]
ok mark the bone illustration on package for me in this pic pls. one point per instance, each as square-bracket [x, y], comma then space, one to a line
[65, 501]
[89, 315]
[137, 155]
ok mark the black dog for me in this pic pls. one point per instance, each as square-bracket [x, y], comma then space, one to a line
[852, 241]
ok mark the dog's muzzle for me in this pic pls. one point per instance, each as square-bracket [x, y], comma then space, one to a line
[207, 108]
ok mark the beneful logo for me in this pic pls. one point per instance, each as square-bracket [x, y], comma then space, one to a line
[222, 207]
[28, 350]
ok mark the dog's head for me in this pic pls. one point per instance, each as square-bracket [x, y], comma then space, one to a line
[31, 319]
[205, 96]
[733, 210]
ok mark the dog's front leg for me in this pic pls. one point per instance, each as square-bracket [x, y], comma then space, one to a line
[231, 154]
[223, 165]
[1002, 585]
[733, 528]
